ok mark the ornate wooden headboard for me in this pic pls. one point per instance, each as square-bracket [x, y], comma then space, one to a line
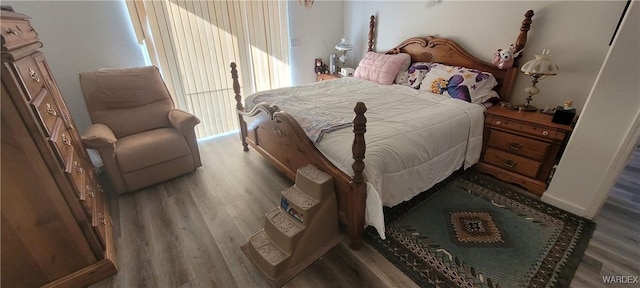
[447, 51]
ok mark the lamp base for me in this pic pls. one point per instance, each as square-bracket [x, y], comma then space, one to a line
[527, 108]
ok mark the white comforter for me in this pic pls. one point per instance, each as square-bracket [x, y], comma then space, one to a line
[414, 138]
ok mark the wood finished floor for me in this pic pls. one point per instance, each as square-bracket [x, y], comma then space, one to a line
[187, 232]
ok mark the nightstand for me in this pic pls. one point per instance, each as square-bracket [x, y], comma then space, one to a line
[324, 77]
[521, 147]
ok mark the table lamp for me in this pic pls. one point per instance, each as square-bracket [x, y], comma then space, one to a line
[343, 47]
[538, 68]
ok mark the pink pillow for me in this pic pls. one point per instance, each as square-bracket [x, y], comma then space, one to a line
[381, 68]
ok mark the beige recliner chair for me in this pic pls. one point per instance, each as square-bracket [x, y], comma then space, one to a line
[141, 137]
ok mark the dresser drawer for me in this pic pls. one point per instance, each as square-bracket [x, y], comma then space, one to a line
[101, 216]
[61, 143]
[525, 128]
[16, 33]
[46, 110]
[87, 199]
[77, 174]
[527, 147]
[513, 163]
[30, 75]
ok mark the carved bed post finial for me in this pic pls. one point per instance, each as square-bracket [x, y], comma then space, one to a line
[524, 28]
[236, 87]
[372, 25]
[358, 193]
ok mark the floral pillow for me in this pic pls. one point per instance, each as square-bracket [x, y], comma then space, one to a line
[459, 82]
[414, 75]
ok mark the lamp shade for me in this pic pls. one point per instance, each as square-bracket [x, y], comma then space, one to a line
[541, 65]
[344, 45]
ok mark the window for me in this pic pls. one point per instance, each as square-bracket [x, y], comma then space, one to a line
[193, 42]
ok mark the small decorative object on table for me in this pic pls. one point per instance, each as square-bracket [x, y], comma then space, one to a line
[564, 114]
[320, 67]
[503, 58]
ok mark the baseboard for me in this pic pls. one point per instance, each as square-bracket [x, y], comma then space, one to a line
[564, 205]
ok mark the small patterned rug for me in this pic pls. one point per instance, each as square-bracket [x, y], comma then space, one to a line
[474, 231]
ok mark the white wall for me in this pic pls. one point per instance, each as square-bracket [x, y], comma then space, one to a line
[576, 32]
[607, 131]
[81, 36]
[317, 30]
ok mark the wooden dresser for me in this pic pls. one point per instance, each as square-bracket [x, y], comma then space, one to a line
[521, 147]
[56, 227]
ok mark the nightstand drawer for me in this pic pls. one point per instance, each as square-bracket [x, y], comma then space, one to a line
[513, 163]
[519, 145]
[521, 127]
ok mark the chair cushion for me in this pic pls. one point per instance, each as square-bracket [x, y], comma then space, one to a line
[127, 100]
[148, 148]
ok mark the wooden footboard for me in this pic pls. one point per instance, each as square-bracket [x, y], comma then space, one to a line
[279, 138]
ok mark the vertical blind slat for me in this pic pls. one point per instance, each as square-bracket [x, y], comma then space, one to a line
[196, 40]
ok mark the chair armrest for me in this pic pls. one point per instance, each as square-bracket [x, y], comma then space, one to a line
[98, 135]
[183, 121]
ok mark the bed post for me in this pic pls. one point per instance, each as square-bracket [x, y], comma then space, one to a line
[236, 91]
[358, 195]
[372, 25]
[524, 28]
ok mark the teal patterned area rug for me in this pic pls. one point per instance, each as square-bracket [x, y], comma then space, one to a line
[473, 231]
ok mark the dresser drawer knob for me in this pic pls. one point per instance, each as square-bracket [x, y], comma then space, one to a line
[50, 110]
[65, 139]
[515, 146]
[34, 75]
[509, 163]
[77, 167]
[91, 193]
[498, 122]
[103, 220]
[545, 133]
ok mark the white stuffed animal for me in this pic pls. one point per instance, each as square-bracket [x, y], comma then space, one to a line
[503, 58]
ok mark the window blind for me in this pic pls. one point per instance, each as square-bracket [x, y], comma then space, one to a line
[193, 42]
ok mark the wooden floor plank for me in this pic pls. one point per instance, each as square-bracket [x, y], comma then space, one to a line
[204, 255]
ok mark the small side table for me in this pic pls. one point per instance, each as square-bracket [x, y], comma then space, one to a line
[324, 77]
[521, 147]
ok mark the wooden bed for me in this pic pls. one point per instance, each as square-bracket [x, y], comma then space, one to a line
[278, 137]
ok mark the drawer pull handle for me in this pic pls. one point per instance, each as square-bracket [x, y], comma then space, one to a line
[50, 110]
[498, 122]
[100, 188]
[515, 146]
[91, 193]
[509, 163]
[76, 166]
[10, 31]
[103, 220]
[545, 133]
[34, 75]
[65, 139]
